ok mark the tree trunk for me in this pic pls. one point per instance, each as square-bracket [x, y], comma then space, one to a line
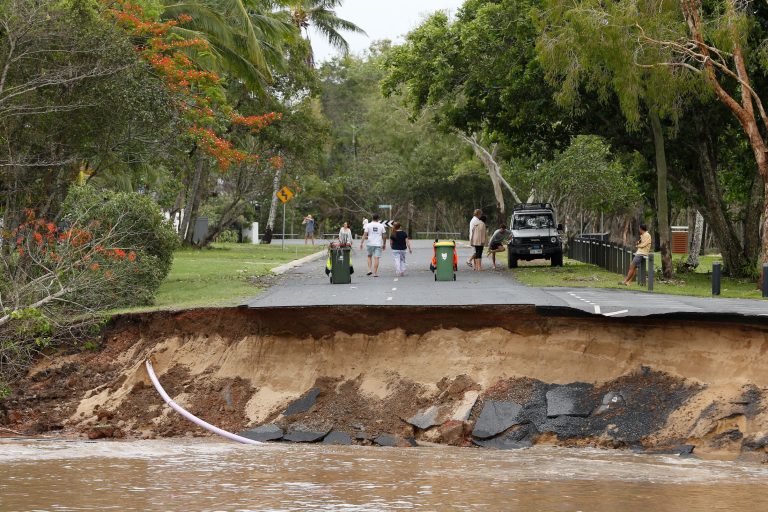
[8, 221]
[753, 214]
[743, 109]
[695, 247]
[195, 206]
[494, 170]
[191, 194]
[273, 207]
[230, 213]
[761, 157]
[663, 202]
[713, 208]
[764, 258]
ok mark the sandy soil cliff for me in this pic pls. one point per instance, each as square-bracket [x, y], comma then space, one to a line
[429, 374]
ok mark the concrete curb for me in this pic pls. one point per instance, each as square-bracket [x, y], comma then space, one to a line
[282, 269]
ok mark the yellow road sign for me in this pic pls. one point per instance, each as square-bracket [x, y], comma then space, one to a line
[285, 194]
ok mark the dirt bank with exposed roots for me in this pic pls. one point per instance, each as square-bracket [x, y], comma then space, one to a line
[504, 376]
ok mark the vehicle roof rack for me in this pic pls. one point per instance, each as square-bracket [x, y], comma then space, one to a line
[533, 206]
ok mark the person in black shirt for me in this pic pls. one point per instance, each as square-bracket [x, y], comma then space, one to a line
[400, 243]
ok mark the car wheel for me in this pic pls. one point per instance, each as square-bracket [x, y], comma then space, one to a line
[512, 262]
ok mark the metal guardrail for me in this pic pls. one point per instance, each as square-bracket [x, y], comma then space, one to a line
[613, 258]
[617, 258]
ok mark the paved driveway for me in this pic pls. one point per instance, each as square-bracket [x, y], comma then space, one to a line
[309, 286]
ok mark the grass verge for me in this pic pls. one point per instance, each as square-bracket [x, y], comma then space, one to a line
[222, 275]
[580, 275]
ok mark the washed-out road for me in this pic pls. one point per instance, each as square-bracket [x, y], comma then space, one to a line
[308, 285]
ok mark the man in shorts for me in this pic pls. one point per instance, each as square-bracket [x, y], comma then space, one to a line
[496, 243]
[309, 233]
[643, 250]
[375, 243]
[472, 223]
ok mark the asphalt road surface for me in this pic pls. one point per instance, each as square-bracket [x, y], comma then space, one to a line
[308, 285]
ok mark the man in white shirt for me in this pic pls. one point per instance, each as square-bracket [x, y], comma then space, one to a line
[472, 223]
[375, 242]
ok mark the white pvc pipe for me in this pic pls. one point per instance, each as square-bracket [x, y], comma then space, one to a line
[191, 417]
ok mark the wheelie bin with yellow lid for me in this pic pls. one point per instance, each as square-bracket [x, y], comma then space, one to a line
[445, 261]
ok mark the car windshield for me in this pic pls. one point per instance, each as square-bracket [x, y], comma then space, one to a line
[533, 221]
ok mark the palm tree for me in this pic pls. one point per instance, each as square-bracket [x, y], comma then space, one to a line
[246, 36]
[320, 15]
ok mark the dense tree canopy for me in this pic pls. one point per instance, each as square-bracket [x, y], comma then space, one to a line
[520, 79]
[625, 111]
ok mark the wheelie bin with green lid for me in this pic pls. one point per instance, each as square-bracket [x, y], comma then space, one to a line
[445, 261]
[339, 263]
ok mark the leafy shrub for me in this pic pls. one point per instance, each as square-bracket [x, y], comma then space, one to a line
[138, 227]
[228, 236]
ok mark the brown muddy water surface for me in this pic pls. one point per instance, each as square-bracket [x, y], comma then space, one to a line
[210, 475]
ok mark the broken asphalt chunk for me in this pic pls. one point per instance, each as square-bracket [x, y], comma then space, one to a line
[263, 433]
[569, 400]
[425, 419]
[303, 404]
[302, 434]
[496, 417]
[338, 437]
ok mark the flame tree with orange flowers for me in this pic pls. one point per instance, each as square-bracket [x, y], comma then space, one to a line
[200, 97]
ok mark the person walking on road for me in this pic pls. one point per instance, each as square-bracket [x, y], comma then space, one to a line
[375, 243]
[643, 250]
[345, 235]
[472, 223]
[478, 238]
[309, 233]
[399, 243]
[496, 243]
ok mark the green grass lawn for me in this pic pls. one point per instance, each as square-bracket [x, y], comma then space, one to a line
[577, 274]
[221, 275]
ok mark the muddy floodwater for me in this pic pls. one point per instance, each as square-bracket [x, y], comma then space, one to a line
[209, 475]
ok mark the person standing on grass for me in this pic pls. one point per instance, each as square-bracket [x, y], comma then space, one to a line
[399, 243]
[478, 238]
[472, 223]
[309, 233]
[375, 243]
[496, 243]
[643, 250]
[345, 235]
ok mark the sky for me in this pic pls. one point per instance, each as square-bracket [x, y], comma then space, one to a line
[381, 19]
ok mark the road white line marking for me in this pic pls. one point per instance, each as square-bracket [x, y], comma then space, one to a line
[396, 279]
[394, 289]
[389, 298]
[613, 313]
[578, 297]
[597, 309]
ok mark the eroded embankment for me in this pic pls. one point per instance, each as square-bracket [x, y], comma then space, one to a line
[502, 376]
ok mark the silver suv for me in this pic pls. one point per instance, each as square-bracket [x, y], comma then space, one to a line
[535, 235]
